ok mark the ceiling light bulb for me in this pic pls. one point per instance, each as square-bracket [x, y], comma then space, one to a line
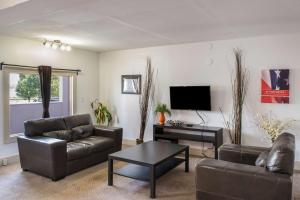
[47, 43]
[54, 45]
[68, 48]
[62, 47]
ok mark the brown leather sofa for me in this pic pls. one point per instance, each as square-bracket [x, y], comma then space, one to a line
[248, 173]
[57, 147]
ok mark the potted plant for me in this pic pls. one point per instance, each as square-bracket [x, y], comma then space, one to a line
[162, 109]
[101, 112]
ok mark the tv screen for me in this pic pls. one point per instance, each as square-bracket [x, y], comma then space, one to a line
[190, 98]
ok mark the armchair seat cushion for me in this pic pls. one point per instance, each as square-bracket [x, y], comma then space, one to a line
[97, 143]
[77, 150]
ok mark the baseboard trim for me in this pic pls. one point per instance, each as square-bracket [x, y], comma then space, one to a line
[127, 142]
[9, 160]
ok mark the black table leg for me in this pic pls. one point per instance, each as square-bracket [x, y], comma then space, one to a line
[152, 182]
[110, 171]
[187, 159]
[216, 152]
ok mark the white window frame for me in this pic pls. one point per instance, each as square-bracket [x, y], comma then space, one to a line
[10, 138]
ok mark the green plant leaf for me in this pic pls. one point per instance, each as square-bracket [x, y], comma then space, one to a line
[162, 108]
[102, 113]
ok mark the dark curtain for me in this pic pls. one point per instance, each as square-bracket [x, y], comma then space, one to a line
[45, 81]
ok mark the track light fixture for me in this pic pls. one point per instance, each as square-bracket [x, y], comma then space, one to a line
[57, 44]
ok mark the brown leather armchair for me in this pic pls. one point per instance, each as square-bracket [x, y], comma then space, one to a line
[57, 147]
[248, 173]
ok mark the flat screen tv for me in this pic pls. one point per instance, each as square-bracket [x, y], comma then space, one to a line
[190, 98]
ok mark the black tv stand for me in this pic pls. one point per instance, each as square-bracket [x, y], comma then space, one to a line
[195, 132]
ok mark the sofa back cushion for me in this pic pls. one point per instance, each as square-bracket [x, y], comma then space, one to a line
[40, 126]
[81, 132]
[77, 120]
[62, 134]
[282, 155]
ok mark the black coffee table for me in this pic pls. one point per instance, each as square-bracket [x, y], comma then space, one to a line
[148, 161]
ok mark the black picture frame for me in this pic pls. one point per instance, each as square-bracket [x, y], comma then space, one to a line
[131, 84]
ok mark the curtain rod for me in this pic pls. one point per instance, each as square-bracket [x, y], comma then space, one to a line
[33, 67]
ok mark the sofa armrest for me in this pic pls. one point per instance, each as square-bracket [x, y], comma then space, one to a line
[240, 154]
[112, 132]
[43, 155]
[216, 179]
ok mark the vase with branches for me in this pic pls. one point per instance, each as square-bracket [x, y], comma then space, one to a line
[162, 109]
[273, 126]
[101, 112]
[145, 99]
[239, 86]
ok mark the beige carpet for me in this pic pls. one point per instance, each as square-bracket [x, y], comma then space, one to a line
[91, 184]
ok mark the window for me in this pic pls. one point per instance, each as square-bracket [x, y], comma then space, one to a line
[25, 102]
[22, 102]
[25, 88]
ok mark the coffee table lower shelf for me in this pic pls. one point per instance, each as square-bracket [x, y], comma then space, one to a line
[143, 172]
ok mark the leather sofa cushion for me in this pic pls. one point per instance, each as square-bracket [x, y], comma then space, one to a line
[40, 126]
[240, 154]
[84, 147]
[261, 160]
[77, 120]
[82, 131]
[282, 155]
[97, 143]
[62, 134]
[77, 150]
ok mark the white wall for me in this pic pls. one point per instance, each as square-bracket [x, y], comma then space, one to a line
[29, 52]
[189, 64]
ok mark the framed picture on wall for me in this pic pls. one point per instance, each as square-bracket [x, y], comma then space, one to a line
[131, 84]
[275, 86]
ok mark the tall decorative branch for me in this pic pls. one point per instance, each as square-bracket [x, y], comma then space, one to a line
[145, 100]
[239, 84]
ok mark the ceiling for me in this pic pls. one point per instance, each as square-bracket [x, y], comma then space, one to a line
[104, 25]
